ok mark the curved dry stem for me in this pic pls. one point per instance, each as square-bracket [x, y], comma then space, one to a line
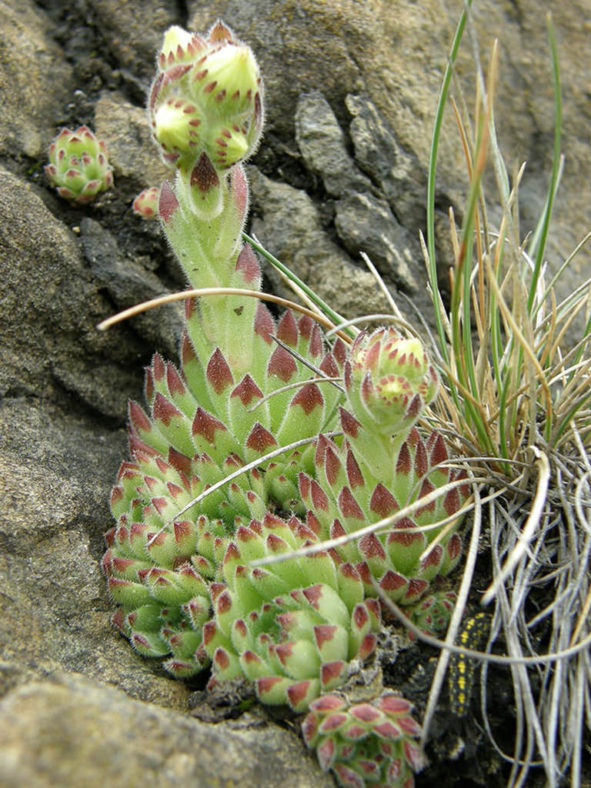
[457, 614]
[532, 523]
[213, 291]
[381, 284]
[397, 321]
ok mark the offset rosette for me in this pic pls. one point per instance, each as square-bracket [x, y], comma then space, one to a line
[365, 744]
[78, 165]
[433, 613]
[206, 109]
[389, 381]
[296, 628]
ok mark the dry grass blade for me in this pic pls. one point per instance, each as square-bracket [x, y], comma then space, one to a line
[456, 618]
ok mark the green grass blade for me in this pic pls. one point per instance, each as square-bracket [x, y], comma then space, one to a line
[538, 245]
[322, 305]
[441, 104]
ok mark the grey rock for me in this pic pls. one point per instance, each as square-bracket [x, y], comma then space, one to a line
[399, 175]
[35, 81]
[70, 731]
[322, 143]
[133, 33]
[137, 165]
[288, 224]
[366, 224]
[56, 471]
[131, 150]
[128, 283]
[50, 308]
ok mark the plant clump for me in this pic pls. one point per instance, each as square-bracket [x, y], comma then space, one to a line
[264, 442]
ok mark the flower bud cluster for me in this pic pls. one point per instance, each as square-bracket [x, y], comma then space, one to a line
[206, 110]
[389, 381]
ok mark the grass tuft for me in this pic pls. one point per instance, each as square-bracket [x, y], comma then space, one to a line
[517, 405]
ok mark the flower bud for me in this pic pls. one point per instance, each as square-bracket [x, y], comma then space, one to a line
[146, 203]
[389, 381]
[206, 99]
[78, 165]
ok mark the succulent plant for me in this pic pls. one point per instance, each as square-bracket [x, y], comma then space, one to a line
[224, 407]
[433, 613]
[365, 744]
[383, 465]
[179, 451]
[78, 165]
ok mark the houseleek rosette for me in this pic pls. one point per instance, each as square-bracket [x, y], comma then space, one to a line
[78, 165]
[295, 628]
[365, 744]
[199, 428]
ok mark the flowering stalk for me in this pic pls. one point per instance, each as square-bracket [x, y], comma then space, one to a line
[206, 114]
[384, 465]
[210, 416]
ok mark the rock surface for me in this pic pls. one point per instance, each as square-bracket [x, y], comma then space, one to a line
[290, 223]
[78, 706]
[394, 60]
[121, 742]
[36, 81]
[323, 147]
